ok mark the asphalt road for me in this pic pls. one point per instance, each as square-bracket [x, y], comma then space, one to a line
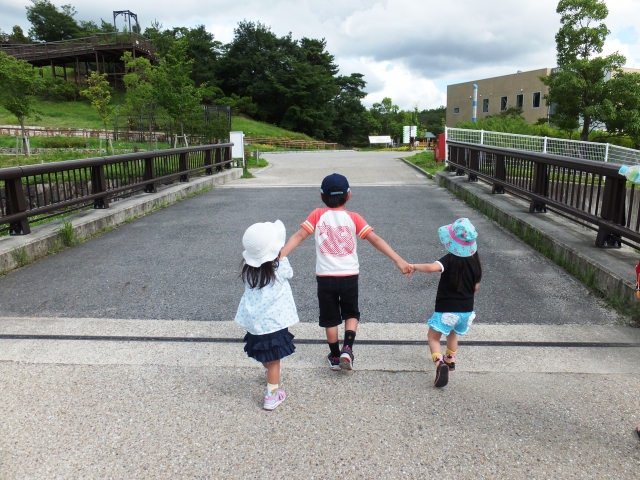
[182, 262]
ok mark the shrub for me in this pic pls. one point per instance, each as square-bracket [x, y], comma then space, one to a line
[63, 142]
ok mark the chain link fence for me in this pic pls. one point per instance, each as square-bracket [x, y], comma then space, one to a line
[601, 152]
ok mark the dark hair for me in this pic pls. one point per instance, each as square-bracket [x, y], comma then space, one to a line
[334, 201]
[260, 277]
[458, 264]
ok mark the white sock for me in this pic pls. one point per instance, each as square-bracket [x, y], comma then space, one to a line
[272, 388]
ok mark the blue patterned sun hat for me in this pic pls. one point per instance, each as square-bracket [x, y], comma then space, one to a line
[459, 237]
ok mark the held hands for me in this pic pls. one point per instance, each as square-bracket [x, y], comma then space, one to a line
[405, 267]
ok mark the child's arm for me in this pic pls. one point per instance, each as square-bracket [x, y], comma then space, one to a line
[476, 289]
[295, 240]
[435, 267]
[384, 247]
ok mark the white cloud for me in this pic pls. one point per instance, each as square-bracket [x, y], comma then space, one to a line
[429, 44]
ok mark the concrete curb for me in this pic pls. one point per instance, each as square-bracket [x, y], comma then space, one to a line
[415, 167]
[608, 282]
[20, 250]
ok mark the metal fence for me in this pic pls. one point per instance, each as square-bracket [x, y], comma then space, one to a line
[590, 192]
[600, 152]
[45, 190]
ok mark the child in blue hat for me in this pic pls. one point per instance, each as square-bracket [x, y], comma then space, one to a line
[460, 274]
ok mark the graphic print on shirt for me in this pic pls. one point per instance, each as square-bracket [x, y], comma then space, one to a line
[336, 241]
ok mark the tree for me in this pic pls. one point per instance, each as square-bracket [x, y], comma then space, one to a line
[175, 90]
[50, 24]
[579, 88]
[16, 36]
[623, 107]
[98, 91]
[140, 100]
[352, 122]
[20, 83]
[433, 119]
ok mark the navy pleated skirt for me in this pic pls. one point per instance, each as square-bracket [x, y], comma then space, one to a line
[269, 347]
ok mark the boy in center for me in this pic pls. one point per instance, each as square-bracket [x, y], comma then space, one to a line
[335, 230]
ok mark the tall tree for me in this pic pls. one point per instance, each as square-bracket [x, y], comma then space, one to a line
[578, 88]
[353, 122]
[308, 89]
[140, 100]
[175, 90]
[623, 107]
[98, 91]
[48, 24]
[20, 83]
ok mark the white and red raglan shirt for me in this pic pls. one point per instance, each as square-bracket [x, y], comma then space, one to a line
[335, 232]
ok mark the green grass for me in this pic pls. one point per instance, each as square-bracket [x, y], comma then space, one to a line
[255, 129]
[425, 161]
[50, 114]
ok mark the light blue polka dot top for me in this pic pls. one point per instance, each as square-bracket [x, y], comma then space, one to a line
[269, 309]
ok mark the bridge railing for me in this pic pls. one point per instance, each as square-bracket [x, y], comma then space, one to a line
[45, 190]
[589, 192]
[32, 51]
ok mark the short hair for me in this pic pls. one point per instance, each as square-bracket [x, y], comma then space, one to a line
[334, 201]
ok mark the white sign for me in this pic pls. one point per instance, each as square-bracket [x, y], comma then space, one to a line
[386, 139]
[408, 132]
[237, 151]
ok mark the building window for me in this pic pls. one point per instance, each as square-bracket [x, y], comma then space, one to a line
[456, 109]
[485, 105]
[520, 100]
[536, 100]
[503, 103]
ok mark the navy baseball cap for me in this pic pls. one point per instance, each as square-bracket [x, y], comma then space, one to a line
[335, 180]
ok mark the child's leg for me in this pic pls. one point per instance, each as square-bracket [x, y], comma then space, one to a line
[434, 344]
[351, 324]
[442, 370]
[452, 349]
[274, 396]
[273, 373]
[346, 355]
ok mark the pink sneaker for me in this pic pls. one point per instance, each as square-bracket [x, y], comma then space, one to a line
[272, 401]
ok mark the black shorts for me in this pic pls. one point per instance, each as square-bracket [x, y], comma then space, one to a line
[338, 299]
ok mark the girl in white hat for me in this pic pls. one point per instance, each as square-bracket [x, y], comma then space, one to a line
[267, 308]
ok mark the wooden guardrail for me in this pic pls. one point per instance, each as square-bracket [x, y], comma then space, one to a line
[50, 189]
[590, 192]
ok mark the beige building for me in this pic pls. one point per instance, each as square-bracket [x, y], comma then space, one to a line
[497, 94]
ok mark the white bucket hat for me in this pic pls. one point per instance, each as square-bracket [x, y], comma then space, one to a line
[262, 242]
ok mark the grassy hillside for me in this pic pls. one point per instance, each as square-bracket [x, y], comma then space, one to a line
[80, 115]
[255, 129]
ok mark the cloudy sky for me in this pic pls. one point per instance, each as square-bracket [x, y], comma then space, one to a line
[407, 50]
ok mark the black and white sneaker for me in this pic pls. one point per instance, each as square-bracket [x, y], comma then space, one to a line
[346, 358]
[334, 362]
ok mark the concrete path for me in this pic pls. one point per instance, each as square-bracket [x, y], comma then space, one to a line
[127, 364]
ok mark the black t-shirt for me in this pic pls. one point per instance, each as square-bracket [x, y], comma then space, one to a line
[448, 299]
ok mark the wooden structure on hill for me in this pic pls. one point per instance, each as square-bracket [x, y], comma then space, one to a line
[99, 53]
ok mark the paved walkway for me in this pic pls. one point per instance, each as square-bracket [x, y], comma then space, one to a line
[138, 400]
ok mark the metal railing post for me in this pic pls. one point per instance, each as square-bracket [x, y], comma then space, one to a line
[218, 160]
[474, 164]
[227, 157]
[149, 174]
[99, 185]
[540, 187]
[184, 166]
[613, 207]
[499, 173]
[16, 203]
[208, 161]
[460, 159]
